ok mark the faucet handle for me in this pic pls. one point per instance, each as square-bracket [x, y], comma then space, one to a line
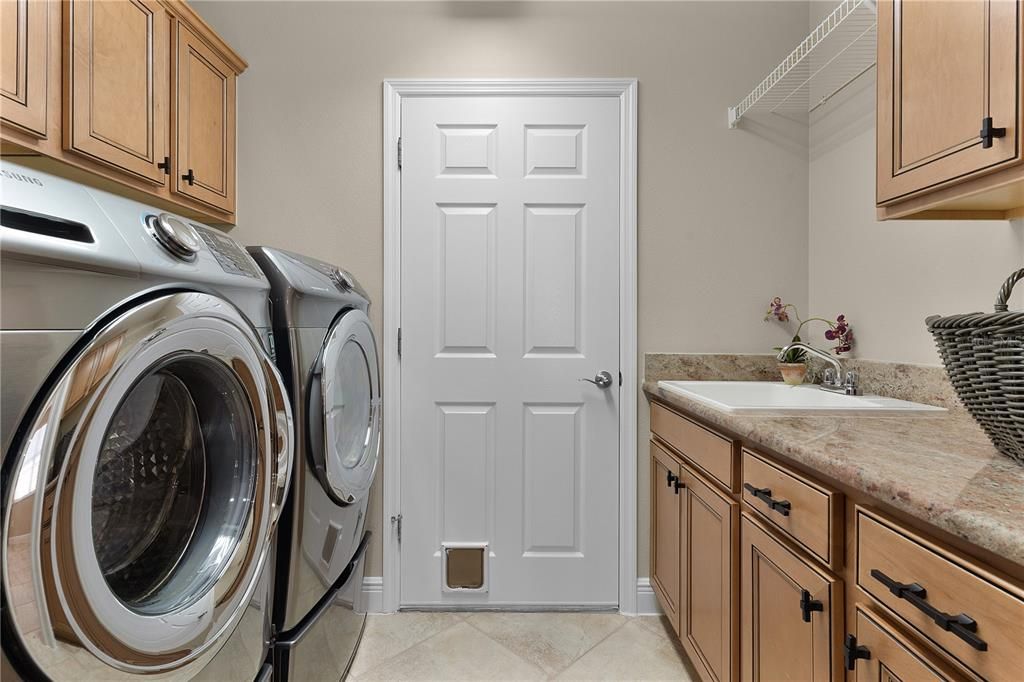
[830, 378]
[851, 383]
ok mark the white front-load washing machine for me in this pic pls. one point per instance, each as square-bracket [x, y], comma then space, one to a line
[328, 356]
[147, 441]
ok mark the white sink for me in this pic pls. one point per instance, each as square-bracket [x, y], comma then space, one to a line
[768, 398]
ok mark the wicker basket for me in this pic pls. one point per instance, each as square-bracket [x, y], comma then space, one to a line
[984, 357]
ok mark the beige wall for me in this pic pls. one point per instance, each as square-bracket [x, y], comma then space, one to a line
[722, 213]
[888, 276]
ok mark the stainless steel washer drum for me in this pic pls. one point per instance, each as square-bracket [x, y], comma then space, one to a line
[138, 514]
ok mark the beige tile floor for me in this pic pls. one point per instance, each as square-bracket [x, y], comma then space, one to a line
[518, 646]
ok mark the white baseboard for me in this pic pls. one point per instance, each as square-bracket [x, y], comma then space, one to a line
[646, 602]
[373, 594]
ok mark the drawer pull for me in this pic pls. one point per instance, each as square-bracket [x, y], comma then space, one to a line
[852, 652]
[765, 495]
[808, 605]
[679, 486]
[961, 625]
[671, 478]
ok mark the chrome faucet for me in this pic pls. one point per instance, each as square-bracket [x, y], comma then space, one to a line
[834, 380]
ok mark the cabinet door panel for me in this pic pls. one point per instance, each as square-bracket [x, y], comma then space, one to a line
[777, 643]
[23, 69]
[892, 656]
[665, 503]
[707, 608]
[944, 66]
[204, 123]
[116, 64]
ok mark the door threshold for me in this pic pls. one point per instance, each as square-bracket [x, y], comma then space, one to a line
[513, 608]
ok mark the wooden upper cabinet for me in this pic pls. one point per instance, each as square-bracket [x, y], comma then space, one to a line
[116, 74]
[791, 612]
[665, 557]
[945, 68]
[709, 527]
[23, 64]
[204, 123]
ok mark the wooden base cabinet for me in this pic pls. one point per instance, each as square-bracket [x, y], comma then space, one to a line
[791, 612]
[693, 562]
[795, 578]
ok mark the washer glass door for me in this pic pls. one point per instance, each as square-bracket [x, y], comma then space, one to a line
[344, 409]
[174, 483]
[144, 493]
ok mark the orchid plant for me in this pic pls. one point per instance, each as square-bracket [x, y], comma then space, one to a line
[839, 330]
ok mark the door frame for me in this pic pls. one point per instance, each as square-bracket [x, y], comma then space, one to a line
[625, 89]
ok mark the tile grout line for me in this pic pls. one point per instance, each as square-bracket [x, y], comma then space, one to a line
[543, 672]
[626, 621]
[411, 646]
[554, 675]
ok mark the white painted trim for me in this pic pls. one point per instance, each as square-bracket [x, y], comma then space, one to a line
[373, 594]
[626, 90]
[646, 602]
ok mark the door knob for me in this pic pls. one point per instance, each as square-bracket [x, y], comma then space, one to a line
[601, 379]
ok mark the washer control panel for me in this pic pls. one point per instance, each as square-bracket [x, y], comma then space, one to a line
[232, 258]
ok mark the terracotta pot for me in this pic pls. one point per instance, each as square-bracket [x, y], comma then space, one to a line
[793, 373]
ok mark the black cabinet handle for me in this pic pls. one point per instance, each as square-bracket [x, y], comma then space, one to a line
[765, 495]
[808, 605]
[671, 478]
[988, 132]
[679, 485]
[165, 165]
[189, 177]
[852, 652]
[961, 625]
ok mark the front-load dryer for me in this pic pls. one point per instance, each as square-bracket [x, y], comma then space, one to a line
[328, 356]
[147, 441]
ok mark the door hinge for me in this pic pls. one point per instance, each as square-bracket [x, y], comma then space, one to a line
[399, 153]
[396, 521]
[399, 342]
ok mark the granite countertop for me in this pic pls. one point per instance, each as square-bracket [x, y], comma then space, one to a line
[941, 469]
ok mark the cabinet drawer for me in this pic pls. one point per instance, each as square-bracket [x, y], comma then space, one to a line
[705, 449]
[927, 586]
[805, 510]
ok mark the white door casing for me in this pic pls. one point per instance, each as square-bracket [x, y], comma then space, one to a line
[515, 235]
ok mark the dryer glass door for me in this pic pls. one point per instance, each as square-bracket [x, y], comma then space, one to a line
[344, 409]
[144, 493]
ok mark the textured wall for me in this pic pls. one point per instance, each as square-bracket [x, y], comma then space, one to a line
[722, 213]
[888, 276]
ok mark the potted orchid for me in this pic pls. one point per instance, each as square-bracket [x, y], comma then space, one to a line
[793, 365]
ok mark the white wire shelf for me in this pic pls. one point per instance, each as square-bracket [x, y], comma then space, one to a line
[840, 49]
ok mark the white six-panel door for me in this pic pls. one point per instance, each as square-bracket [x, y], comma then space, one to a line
[510, 295]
